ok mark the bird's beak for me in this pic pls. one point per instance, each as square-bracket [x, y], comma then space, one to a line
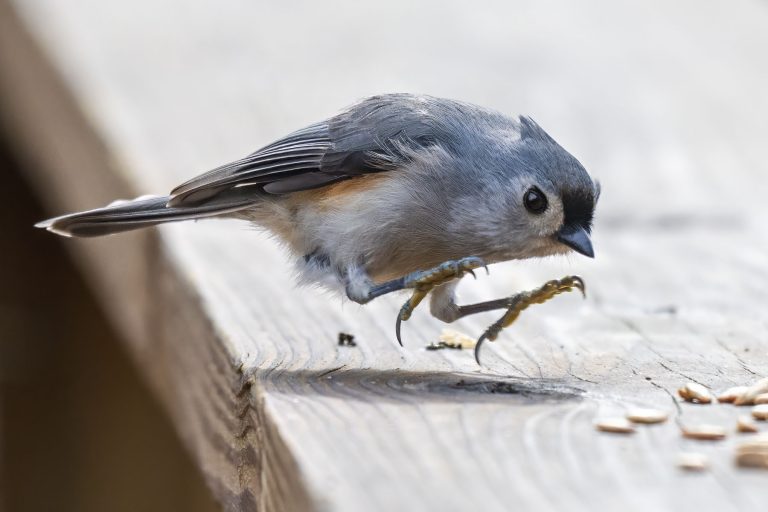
[577, 238]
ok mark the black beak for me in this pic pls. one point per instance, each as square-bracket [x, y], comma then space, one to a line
[577, 238]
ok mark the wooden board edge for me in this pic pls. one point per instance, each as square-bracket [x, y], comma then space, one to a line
[240, 452]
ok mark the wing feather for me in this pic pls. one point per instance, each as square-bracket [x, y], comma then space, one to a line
[376, 135]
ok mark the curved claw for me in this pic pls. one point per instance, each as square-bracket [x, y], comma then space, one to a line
[398, 322]
[579, 283]
[470, 264]
[518, 303]
[479, 343]
[423, 282]
[475, 261]
[490, 334]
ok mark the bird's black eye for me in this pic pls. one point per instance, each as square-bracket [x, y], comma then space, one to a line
[535, 201]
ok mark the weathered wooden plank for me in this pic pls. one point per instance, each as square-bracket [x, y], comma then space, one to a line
[664, 103]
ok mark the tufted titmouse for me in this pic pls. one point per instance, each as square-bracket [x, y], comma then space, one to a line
[398, 192]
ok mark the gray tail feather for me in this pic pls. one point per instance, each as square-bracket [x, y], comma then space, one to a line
[140, 213]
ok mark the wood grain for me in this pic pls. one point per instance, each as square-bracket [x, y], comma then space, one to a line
[664, 103]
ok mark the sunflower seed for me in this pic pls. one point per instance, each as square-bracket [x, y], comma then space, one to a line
[760, 412]
[704, 432]
[752, 460]
[746, 424]
[693, 461]
[696, 393]
[755, 390]
[647, 416]
[731, 394]
[454, 339]
[754, 453]
[616, 425]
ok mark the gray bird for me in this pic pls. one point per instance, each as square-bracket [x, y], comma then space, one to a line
[399, 191]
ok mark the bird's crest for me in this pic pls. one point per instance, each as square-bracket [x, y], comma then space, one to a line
[530, 129]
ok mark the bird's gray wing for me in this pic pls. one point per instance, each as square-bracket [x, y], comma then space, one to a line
[376, 135]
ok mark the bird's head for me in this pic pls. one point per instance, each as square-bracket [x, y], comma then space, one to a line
[553, 197]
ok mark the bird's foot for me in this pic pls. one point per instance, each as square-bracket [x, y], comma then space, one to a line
[423, 281]
[519, 302]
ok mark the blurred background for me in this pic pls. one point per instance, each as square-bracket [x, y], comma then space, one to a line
[665, 103]
[79, 430]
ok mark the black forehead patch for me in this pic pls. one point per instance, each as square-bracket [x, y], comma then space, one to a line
[549, 162]
[579, 208]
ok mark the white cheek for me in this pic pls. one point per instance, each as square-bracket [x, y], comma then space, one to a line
[547, 224]
[555, 218]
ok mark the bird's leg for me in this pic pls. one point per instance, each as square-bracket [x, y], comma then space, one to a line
[425, 281]
[421, 282]
[448, 311]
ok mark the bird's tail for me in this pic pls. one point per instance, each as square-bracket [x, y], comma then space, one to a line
[140, 213]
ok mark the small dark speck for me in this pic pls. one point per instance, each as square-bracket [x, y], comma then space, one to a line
[648, 378]
[442, 344]
[347, 340]
[746, 349]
